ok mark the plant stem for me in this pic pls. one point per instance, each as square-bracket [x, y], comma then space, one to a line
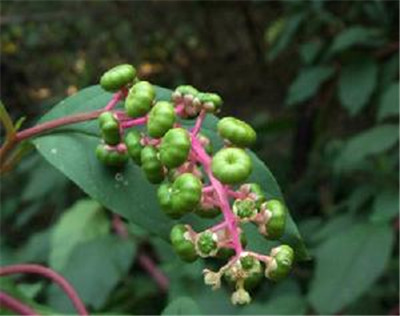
[50, 274]
[11, 303]
[158, 276]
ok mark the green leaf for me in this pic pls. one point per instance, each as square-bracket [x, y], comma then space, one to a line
[182, 306]
[307, 83]
[348, 264]
[94, 269]
[389, 102]
[353, 36]
[127, 192]
[369, 142]
[309, 51]
[385, 207]
[356, 84]
[84, 221]
[287, 304]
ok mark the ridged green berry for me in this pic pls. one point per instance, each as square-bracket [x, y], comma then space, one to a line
[244, 208]
[185, 90]
[207, 244]
[211, 102]
[281, 263]
[236, 131]
[181, 197]
[134, 146]
[111, 157]
[117, 77]
[175, 147]
[140, 99]
[109, 127]
[231, 165]
[183, 246]
[276, 218]
[161, 119]
[151, 164]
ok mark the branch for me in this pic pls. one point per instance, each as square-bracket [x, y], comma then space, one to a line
[11, 303]
[50, 274]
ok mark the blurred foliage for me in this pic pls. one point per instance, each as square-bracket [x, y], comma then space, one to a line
[318, 80]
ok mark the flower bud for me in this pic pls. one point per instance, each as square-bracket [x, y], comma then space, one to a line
[244, 209]
[240, 297]
[206, 244]
[212, 278]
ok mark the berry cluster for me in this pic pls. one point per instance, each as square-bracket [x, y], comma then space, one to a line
[193, 179]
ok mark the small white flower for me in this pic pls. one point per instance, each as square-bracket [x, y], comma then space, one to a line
[241, 297]
[212, 278]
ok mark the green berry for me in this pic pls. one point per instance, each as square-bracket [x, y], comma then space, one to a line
[134, 146]
[231, 165]
[276, 218]
[161, 119]
[247, 262]
[117, 77]
[207, 244]
[109, 127]
[152, 165]
[255, 193]
[211, 102]
[182, 197]
[182, 244]
[236, 131]
[281, 263]
[110, 156]
[175, 147]
[140, 99]
[244, 208]
[186, 90]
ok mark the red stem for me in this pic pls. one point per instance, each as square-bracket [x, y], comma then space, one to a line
[148, 264]
[48, 273]
[11, 303]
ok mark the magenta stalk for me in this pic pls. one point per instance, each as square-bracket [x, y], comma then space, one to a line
[13, 304]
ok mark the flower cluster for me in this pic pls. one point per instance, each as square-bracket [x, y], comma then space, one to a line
[194, 179]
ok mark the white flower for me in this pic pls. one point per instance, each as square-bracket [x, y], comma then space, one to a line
[212, 278]
[241, 296]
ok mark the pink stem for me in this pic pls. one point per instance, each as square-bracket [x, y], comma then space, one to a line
[48, 273]
[220, 190]
[234, 194]
[114, 101]
[219, 226]
[208, 189]
[134, 122]
[148, 264]
[15, 305]
[199, 122]
[119, 226]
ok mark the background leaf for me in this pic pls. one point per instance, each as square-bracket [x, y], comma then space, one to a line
[389, 102]
[348, 263]
[84, 221]
[307, 83]
[357, 82]
[182, 306]
[353, 36]
[385, 207]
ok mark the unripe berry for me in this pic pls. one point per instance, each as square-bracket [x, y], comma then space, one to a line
[117, 77]
[244, 208]
[111, 157]
[139, 99]
[236, 131]
[175, 147]
[109, 127]
[211, 102]
[151, 165]
[206, 244]
[254, 192]
[231, 165]
[184, 90]
[161, 119]
[276, 213]
[182, 197]
[134, 146]
[280, 264]
[182, 243]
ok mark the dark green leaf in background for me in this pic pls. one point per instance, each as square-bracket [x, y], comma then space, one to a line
[307, 83]
[353, 36]
[385, 207]
[348, 263]
[389, 102]
[357, 82]
[182, 306]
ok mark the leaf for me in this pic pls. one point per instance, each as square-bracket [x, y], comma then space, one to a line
[373, 141]
[309, 51]
[307, 83]
[353, 36]
[84, 221]
[286, 33]
[94, 269]
[127, 192]
[182, 306]
[385, 207]
[389, 102]
[356, 84]
[287, 304]
[348, 264]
